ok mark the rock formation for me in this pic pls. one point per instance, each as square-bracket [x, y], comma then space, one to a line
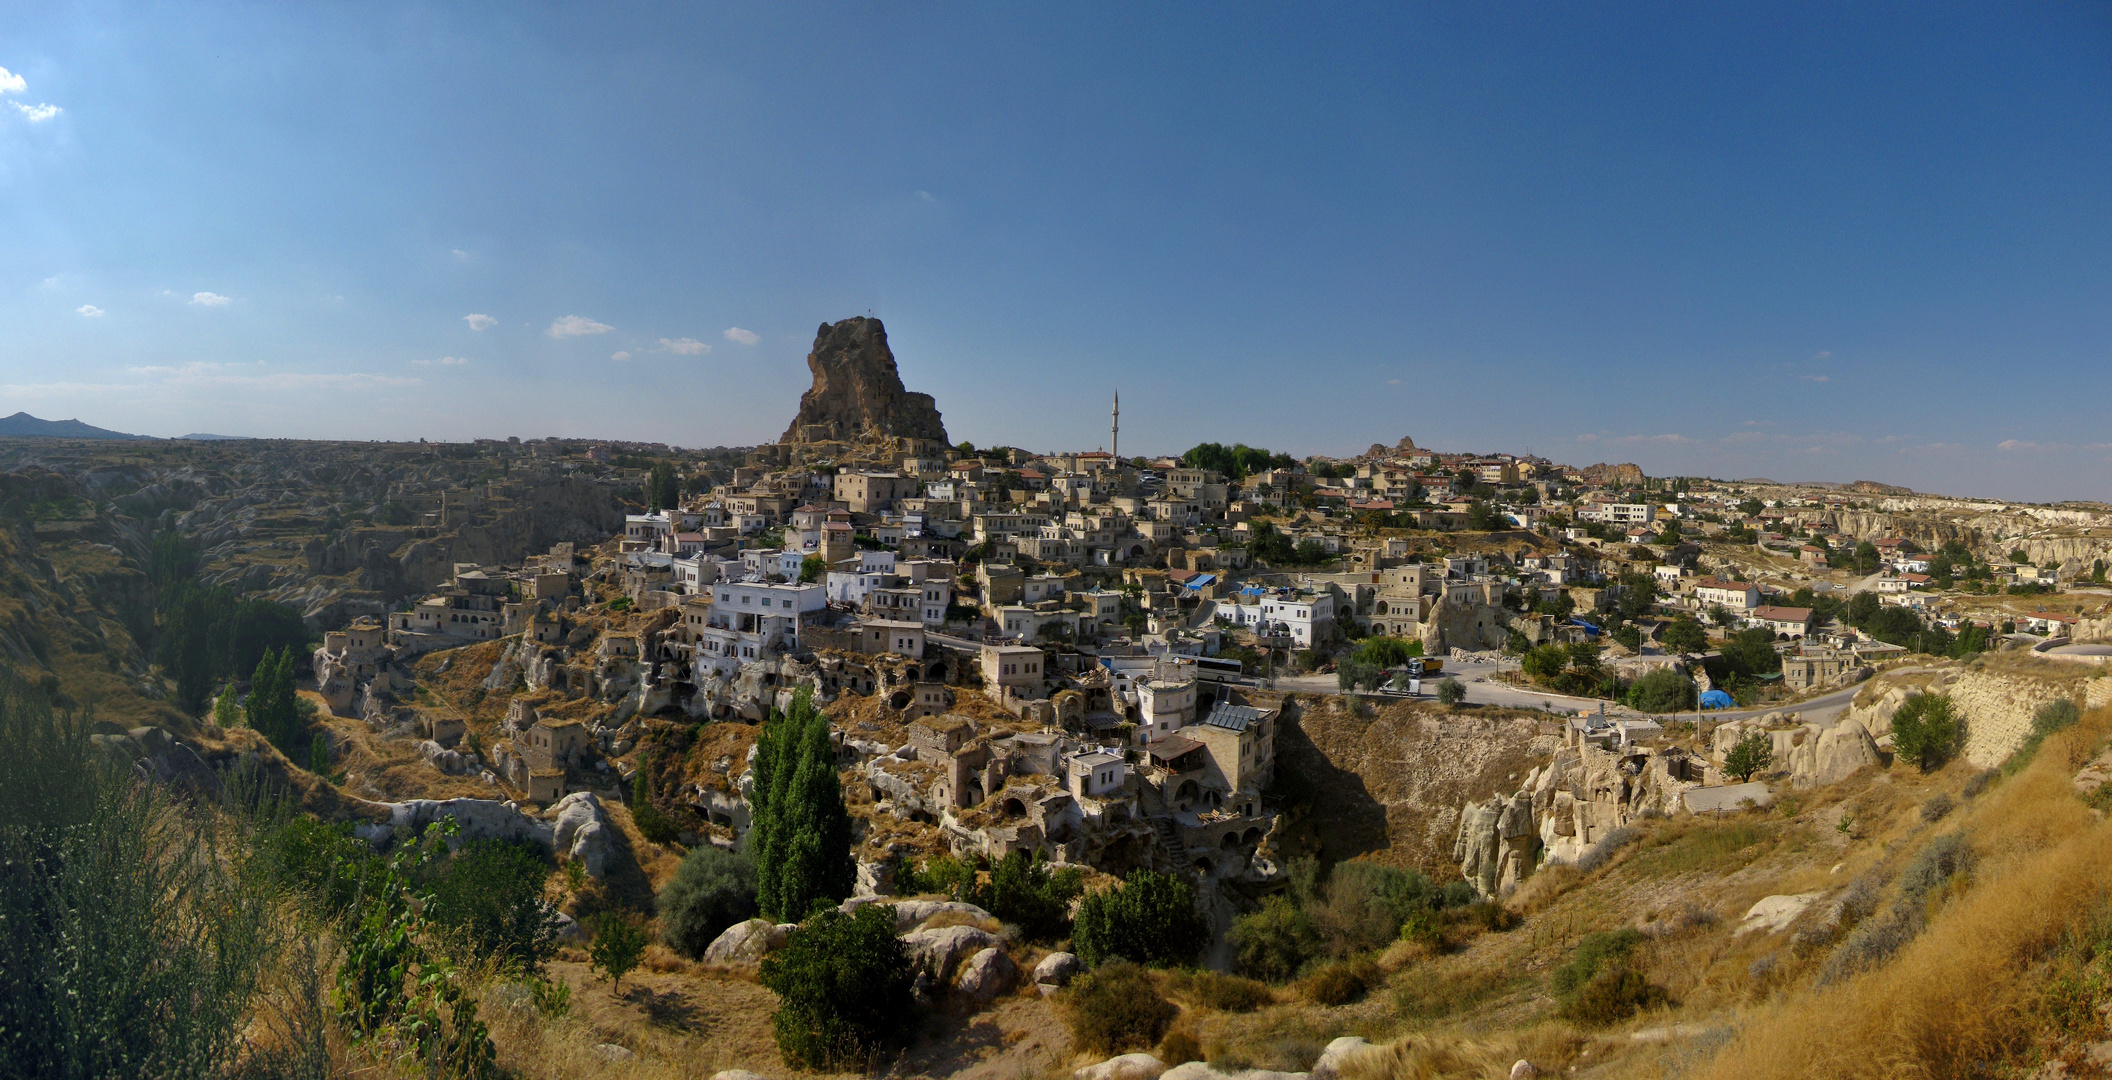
[857, 390]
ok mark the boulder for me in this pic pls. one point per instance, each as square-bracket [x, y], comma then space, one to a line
[910, 914]
[1841, 750]
[987, 974]
[746, 943]
[612, 1053]
[1523, 1070]
[1774, 913]
[1055, 971]
[477, 819]
[946, 946]
[1196, 1070]
[582, 832]
[1126, 1067]
[1337, 1056]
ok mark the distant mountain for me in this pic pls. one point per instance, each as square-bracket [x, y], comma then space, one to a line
[199, 436]
[24, 424]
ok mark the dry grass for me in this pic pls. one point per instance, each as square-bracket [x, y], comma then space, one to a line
[1960, 996]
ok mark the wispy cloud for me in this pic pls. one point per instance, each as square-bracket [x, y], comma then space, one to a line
[207, 373]
[458, 253]
[1822, 354]
[684, 346]
[36, 114]
[211, 299]
[620, 355]
[745, 337]
[88, 311]
[479, 322]
[11, 83]
[926, 196]
[1818, 378]
[2021, 445]
[577, 326]
[445, 361]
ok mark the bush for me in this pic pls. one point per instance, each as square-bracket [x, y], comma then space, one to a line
[1225, 993]
[1342, 982]
[1276, 942]
[1116, 1007]
[2051, 717]
[1927, 730]
[1148, 919]
[1752, 753]
[492, 893]
[1024, 892]
[1593, 954]
[843, 984]
[1662, 691]
[712, 890]
[1935, 807]
[1451, 691]
[1613, 995]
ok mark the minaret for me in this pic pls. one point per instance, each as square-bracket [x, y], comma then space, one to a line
[1118, 428]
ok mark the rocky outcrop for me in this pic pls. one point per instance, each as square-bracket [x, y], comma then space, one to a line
[1566, 807]
[747, 942]
[582, 832]
[153, 755]
[1056, 971]
[1811, 755]
[1464, 624]
[1496, 843]
[943, 948]
[857, 390]
[1126, 1067]
[987, 974]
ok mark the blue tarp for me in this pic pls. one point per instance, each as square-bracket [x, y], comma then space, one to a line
[1199, 581]
[1589, 629]
[1716, 699]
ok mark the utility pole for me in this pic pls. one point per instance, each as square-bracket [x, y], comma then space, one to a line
[1116, 436]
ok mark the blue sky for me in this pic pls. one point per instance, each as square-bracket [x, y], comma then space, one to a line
[1802, 241]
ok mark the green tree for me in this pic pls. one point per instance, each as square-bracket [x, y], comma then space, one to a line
[1275, 942]
[1450, 691]
[227, 712]
[1862, 607]
[1637, 595]
[1685, 635]
[843, 985]
[271, 708]
[813, 568]
[492, 893]
[1023, 891]
[1865, 557]
[1669, 535]
[662, 491]
[1753, 752]
[1662, 691]
[618, 945]
[1480, 518]
[1546, 662]
[712, 890]
[1927, 730]
[801, 830]
[1150, 919]
[2016, 555]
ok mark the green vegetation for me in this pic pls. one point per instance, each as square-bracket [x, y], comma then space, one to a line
[492, 894]
[618, 946]
[662, 491]
[652, 823]
[1662, 691]
[713, 889]
[802, 832]
[1685, 635]
[273, 708]
[1148, 919]
[2049, 718]
[1450, 691]
[813, 568]
[843, 984]
[1572, 669]
[1235, 461]
[1753, 752]
[205, 635]
[1928, 731]
[1116, 1007]
[1023, 891]
[1599, 984]
[1358, 908]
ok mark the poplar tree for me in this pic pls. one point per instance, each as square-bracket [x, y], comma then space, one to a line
[802, 831]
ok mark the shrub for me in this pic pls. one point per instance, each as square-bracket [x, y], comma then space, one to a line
[843, 985]
[618, 946]
[2051, 717]
[1023, 891]
[1662, 691]
[1116, 1007]
[1935, 807]
[1593, 954]
[1451, 691]
[1275, 942]
[1149, 919]
[1225, 993]
[1613, 995]
[944, 875]
[1179, 1047]
[1342, 982]
[712, 890]
[1927, 730]
[1596, 855]
[492, 894]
